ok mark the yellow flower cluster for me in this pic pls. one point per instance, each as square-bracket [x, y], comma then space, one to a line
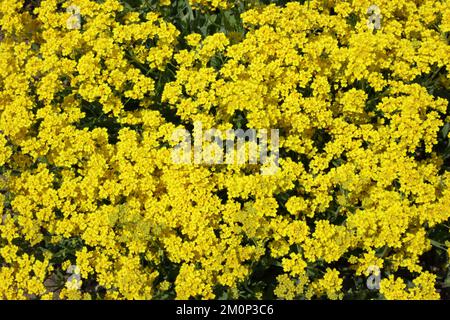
[290, 72]
[212, 4]
[206, 5]
[423, 288]
[85, 150]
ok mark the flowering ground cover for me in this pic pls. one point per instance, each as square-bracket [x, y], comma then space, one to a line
[93, 205]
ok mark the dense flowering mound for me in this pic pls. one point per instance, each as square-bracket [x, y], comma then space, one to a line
[93, 205]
